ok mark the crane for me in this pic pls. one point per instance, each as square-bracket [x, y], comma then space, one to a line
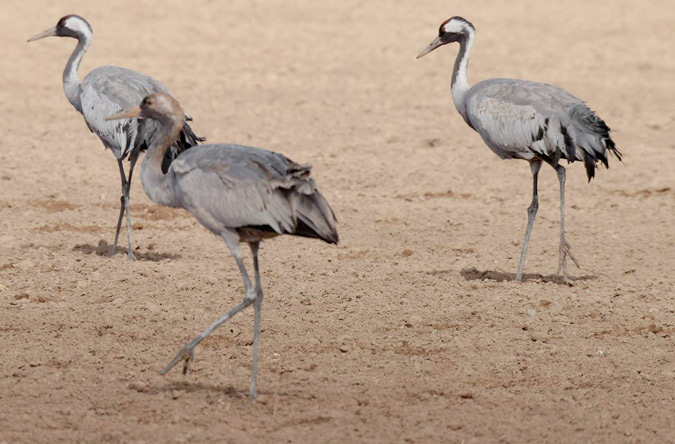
[242, 194]
[521, 119]
[106, 90]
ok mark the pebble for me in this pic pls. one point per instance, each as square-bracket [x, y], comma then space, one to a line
[415, 320]
[344, 348]
[24, 264]
[446, 336]
[531, 312]
[139, 386]
[539, 337]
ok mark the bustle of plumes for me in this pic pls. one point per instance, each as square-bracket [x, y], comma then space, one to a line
[585, 137]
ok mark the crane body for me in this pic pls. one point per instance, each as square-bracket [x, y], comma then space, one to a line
[241, 194]
[106, 90]
[520, 119]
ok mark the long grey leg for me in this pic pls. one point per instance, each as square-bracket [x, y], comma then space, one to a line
[565, 247]
[187, 352]
[122, 206]
[257, 307]
[531, 213]
[132, 163]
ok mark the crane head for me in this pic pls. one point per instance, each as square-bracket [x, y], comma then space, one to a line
[454, 29]
[158, 106]
[68, 26]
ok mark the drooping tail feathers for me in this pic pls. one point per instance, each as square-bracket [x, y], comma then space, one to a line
[582, 136]
[315, 218]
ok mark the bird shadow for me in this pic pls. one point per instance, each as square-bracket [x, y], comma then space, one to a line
[199, 387]
[473, 274]
[105, 249]
[222, 390]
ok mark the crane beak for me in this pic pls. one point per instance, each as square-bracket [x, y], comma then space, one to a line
[433, 45]
[134, 111]
[48, 33]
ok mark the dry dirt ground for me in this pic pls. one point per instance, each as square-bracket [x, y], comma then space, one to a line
[412, 329]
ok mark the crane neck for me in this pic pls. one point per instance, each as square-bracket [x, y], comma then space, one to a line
[460, 84]
[157, 185]
[71, 81]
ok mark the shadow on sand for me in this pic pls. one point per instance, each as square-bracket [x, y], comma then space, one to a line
[221, 390]
[105, 249]
[198, 387]
[473, 274]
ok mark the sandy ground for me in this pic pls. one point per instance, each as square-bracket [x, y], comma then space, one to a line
[412, 329]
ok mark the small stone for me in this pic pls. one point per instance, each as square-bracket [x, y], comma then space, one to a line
[446, 336]
[25, 264]
[600, 352]
[407, 252]
[539, 337]
[139, 386]
[175, 394]
[414, 320]
[344, 348]
[82, 284]
[466, 395]
[118, 301]
[531, 312]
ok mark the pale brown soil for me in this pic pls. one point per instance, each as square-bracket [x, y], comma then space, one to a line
[412, 329]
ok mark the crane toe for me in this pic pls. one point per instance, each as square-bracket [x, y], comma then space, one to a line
[185, 354]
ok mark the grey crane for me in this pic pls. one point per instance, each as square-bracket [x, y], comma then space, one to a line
[106, 90]
[241, 194]
[520, 119]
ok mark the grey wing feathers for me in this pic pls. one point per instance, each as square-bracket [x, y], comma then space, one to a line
[107, 90]
[239, 187]
[522, 119]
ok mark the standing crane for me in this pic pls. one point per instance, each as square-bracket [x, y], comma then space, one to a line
[239, 193]
[520, 119]
[110, 89]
